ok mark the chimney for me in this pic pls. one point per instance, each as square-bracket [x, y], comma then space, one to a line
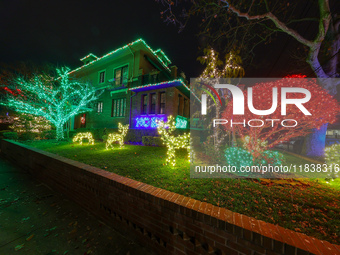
[174, 71]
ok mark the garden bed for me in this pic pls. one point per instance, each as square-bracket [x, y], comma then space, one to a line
[308, 206]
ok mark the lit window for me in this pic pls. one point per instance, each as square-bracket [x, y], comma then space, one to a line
[153, 103]
[121, 76]
[118, 107]
[144, 104]
[162, 103]
[100, 107]
[102, 77]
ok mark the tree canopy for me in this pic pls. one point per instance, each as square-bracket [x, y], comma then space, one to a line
[57, 99]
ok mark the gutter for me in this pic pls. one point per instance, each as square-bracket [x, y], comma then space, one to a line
[130, 121]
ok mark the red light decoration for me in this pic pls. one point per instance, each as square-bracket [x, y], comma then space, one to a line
[323, 107]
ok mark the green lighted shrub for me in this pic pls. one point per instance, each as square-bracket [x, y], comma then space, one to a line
[152, 141]
[270, 157]
[11, 135]
[238, 157]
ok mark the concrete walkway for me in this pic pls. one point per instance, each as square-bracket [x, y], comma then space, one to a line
[35, 220]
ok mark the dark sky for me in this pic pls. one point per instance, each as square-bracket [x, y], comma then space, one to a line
[61, 32]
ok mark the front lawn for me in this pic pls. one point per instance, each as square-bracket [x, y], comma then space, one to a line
[308, 206]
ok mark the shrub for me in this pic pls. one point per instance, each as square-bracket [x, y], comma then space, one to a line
[11, 135]
[4, 131]
[195, 140]
[136, 135]
[49, 134]
[152, 141]
[212, 151]
[238, 157]
[28, 136]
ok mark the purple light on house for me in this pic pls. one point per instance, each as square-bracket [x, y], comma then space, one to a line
[148, 122]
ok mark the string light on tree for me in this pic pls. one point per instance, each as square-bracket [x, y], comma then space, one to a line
[322, 106]
[55, 99]
[166, 129]
[29, 123]
[80, 136]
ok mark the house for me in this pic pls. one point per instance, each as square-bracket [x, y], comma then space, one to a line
[140, 87]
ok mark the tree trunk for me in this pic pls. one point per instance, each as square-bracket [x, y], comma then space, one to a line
[60, 132]
[315, 142]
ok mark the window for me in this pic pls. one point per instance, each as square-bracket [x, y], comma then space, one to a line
[186, 108]
[121, 76]
[153, 103]
[144, 104]
[118, 107]
[101, 76]
[100, 107]
[162, 103]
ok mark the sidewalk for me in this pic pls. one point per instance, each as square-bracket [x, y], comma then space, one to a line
[35, 220]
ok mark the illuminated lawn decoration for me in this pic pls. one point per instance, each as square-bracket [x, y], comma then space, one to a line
[55, 99]
[165, 129]
[181, 122]
[117, 137]
[80, 136]
[148, 122]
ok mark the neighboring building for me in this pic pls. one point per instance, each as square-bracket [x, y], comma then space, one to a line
[139, 88]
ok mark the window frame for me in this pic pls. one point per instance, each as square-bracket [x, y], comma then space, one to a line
[121, 75]
[151, 104]
[144, 106]
[121, 103]
[99, 78]
[160, 102]
[100, 106]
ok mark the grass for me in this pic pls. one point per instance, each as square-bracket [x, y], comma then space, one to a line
[312, 207]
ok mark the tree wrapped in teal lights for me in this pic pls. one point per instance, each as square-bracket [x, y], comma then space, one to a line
[56, 99]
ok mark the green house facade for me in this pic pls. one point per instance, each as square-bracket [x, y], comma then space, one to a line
[140, 87]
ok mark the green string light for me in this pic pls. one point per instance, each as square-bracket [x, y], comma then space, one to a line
[123, 48]
[55, 99]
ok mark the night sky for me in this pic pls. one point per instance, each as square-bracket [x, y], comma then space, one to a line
[61, 32]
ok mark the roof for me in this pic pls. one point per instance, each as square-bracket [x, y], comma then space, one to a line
[123, 48]
[181, 86]
[88, 56]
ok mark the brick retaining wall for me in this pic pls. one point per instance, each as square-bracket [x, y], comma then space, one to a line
[164, 221]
